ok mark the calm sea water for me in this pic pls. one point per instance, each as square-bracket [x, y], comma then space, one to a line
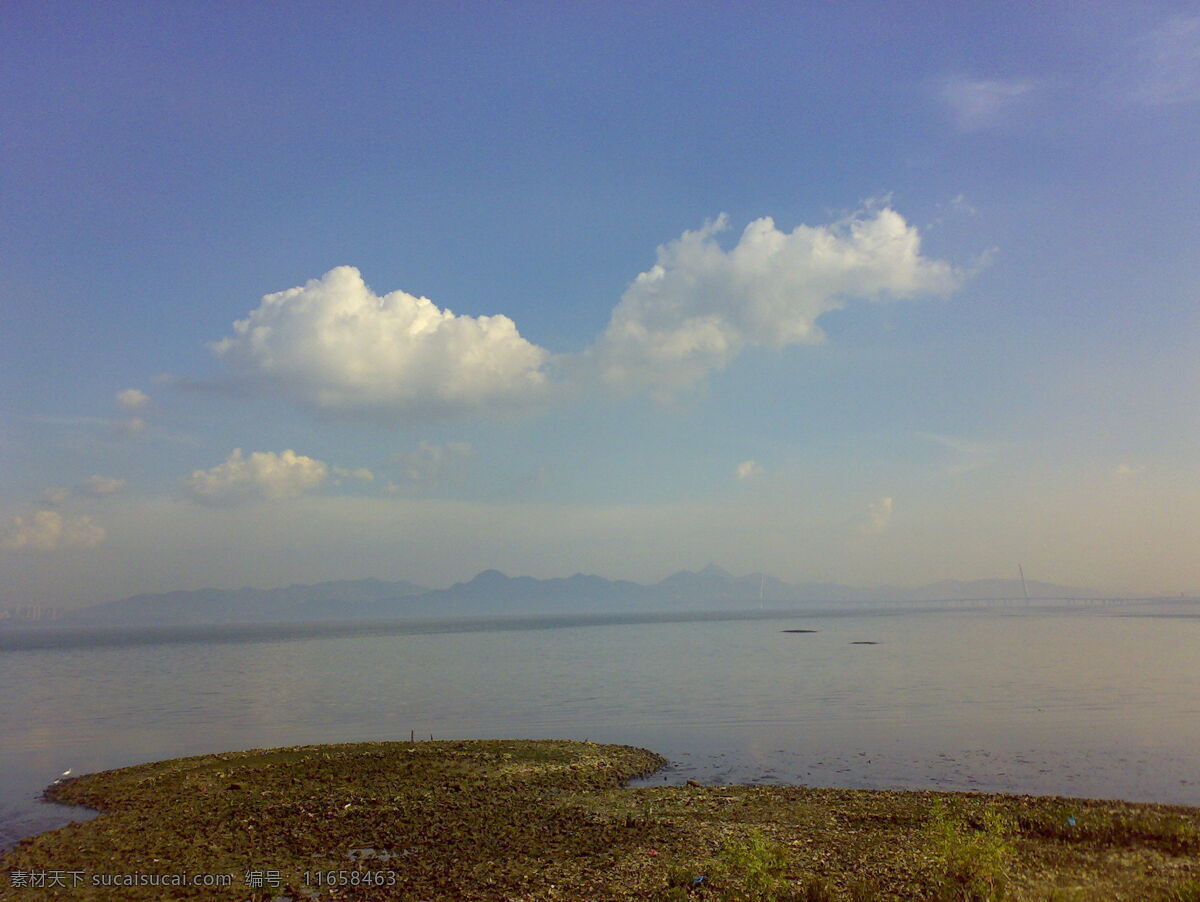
[1100, 702]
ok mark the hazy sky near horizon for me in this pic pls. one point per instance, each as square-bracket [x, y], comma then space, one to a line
[858, 292]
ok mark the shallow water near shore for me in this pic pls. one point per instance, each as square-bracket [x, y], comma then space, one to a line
[1098, 702]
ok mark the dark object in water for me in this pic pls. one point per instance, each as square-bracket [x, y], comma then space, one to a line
[797, 631]
[864, 643]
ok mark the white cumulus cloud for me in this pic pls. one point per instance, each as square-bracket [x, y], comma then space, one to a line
[263, 475]
[335, 344]
[99, 486]
[46, 530]
[700, 305]
[748, 469]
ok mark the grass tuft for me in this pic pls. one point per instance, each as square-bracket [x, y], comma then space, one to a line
[974, 852]
[1187, 891]
[757, 864]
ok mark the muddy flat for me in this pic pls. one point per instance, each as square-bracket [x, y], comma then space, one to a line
[550, 819]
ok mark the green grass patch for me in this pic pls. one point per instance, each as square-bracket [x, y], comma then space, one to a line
[1164, 829]
[974, 851]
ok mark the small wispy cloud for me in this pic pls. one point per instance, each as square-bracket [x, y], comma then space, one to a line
[124, 426]
[965, 454]
[960, 204]
[133, 402]
[748, 469]
[1127, 470]
[94, 486]
[132, 399]
[431, 464]
[47, 530]
[879, 515]
[71, 421]
[100, 486]
[362, 474]
[54, 496]
[979, 104]
[1167, 63]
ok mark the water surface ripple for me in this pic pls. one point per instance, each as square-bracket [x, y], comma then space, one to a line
[1091, 702]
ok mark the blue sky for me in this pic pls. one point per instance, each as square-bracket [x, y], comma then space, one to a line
[966, 339]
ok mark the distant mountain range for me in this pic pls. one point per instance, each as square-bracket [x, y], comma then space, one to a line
[491, 593]
[370, 599]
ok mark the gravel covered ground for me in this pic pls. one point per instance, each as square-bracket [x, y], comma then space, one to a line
[520, 819]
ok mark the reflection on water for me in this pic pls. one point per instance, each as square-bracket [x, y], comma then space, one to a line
[1077, 703]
